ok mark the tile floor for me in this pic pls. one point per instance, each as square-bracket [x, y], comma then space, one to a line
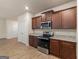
[16, 50]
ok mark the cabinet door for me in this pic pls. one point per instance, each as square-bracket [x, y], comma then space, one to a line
[38, 22]
[33, 23]
[54, 47]
[43, 17]
[69, 19]
[68, 50]
[56, 20]
[30, 40]
[33, 41]
[48, 16]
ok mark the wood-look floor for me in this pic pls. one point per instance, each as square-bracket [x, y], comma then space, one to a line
[16, 50]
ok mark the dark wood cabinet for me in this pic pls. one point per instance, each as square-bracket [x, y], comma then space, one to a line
[36, 22]
[68, 50]
[63, 49]
[69, 18]
[57, 20]
[55, 47]
[33, 23]
[47, 16]
[65, 19]
[33, 41]
[43, 18]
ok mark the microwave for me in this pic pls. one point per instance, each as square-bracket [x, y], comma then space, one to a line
[46, 25]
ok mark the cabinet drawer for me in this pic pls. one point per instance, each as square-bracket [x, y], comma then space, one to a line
[54, 42]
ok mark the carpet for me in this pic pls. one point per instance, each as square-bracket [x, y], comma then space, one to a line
[4, 57]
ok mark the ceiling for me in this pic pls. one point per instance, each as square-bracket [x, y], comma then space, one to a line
[12, 8]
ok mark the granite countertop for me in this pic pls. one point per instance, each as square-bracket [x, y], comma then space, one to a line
[34, 34]
[59, 37]
[65, 38]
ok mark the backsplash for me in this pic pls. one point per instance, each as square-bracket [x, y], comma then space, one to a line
[66, 32]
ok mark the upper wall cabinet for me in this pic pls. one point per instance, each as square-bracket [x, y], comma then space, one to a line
[69, 18]
[65, 19]
[56, 20]
[43, 17]
[39, 18]
[33, 23]
[36, 22]
[47, 16]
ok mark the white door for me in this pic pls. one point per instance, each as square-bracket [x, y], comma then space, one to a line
[21, 30]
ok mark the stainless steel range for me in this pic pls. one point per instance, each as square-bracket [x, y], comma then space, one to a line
[44, 43]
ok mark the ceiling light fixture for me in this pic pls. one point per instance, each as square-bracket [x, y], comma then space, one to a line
[27, 8]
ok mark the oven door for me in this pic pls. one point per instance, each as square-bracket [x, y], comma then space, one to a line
[43, 43]
[43, 46]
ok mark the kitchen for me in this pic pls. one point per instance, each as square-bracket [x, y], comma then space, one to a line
[54, 32]
[38, 29]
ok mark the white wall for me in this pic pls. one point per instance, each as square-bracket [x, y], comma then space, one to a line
[60, 7]
[11, 28]
[24, 27]
[2, 28]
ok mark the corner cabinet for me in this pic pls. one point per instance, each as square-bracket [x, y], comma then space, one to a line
[63, 49]
[33, 41]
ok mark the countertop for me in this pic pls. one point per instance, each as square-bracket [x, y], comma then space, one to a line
[60, 37]
[65, 38]
[35, 34]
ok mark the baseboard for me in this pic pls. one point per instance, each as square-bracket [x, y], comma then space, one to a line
[2, 38]
[12, 38]
[22, 42]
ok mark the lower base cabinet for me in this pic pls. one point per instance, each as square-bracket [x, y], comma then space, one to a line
[54, 47]
[63, 49]
[33, 41]
[67, 50]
